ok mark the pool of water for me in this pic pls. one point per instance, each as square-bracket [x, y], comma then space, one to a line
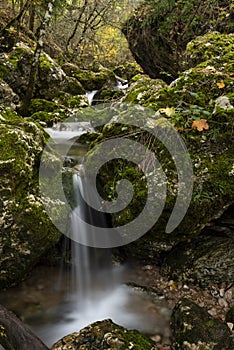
[46, 303]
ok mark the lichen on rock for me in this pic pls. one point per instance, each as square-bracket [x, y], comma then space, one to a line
[105, 335]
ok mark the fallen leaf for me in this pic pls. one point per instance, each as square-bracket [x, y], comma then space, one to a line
[200, 124]
[221, 84]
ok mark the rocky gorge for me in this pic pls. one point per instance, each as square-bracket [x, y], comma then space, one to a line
[192, 90]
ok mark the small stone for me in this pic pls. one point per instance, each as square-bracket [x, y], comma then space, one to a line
[157, 338]
[222, 292]
[222, 302]
[185, 286]
[212, 311]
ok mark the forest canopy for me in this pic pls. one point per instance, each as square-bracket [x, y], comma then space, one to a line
[80, 30]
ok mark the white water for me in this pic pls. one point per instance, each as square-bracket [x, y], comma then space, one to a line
[62, 132]
[95, 292]
[90, 95]
[95, 288]
[122, 85]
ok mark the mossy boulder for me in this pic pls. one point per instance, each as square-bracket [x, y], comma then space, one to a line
[205, 260]
[209, 46]
[105, 335]
[38, 105]
[192, 105]
[26, 231]
[108, 95]
[90, 80]
[78, 101]
[15, 68]
[158, 32]
[193, 328]
[143, 88]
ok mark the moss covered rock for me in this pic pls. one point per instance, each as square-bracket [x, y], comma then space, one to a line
[199, 104]
[143, 88]
[15, 69]
[105, 335]
[78, 101]
[90, 80]
[194, 329]
[204, 260]
[159, 31]
[26, 232]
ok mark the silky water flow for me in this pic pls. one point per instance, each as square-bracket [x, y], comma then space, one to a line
[92, 288]
[95, 286]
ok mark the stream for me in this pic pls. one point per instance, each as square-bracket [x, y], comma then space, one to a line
[58, 300]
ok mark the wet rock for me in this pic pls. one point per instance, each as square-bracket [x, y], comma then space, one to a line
[204, 260]
[105, 335]
[7, 96]
[26, 231]
[194, 329]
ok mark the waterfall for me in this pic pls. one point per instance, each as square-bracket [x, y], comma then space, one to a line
[90, 95]
[92, 267]
[94, 289]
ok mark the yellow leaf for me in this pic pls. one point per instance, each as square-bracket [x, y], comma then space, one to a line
[168, 111]
[221, 84]
[200, 125]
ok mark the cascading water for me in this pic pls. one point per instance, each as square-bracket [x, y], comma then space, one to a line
[90, 96]
[92, 267]
[93, 288]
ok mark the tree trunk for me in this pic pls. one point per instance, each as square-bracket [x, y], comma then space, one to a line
[32, 13]
[16, 335]
[36, 59]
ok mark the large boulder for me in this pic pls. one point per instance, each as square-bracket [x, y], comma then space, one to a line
[204, 260]
[26, 231]
[158, 32]
[105, 335]
[193, 328]
[199, 105]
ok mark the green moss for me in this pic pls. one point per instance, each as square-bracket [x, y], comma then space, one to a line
[208, 46]
[78, 101]
[42, 117]
[45, 63]
[38, 105]
[26, 231]
[194, 328]
[105, 335]
[74, 87]
[92, 81]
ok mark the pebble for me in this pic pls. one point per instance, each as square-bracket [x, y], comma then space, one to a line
[222, 302]
[230, 325]
[213, 311]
